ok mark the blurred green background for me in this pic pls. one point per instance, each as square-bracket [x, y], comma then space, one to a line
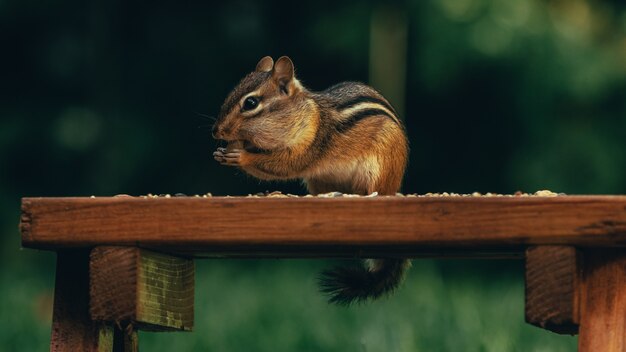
[105, 97]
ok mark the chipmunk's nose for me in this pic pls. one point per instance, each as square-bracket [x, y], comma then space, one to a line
[217, 133]
[222, 131]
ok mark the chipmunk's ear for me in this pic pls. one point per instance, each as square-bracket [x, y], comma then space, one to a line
[265, 64]
[283, 73]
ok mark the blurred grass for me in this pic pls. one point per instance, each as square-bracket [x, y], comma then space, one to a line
[273, 305]
[26, 295]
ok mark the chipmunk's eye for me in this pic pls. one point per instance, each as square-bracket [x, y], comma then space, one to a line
[250, 103]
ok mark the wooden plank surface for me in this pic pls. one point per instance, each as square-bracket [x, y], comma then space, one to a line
[552, 288]
[312, 226]
[603, 302]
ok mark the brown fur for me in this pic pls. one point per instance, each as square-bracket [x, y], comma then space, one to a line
[346, 138]
[297, 133]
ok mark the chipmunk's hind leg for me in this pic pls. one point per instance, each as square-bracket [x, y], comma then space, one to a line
[347, 285]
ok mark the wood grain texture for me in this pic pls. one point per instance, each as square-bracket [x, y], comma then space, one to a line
[552, 288]
[113, 283]
[72, 329]
[106, 338]
[325, 227]
[603, 302]
[142, 289]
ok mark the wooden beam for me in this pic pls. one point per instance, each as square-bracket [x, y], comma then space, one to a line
[552, 288]
[318, 227]
[141, 289]
[603, 302]
[72, 328]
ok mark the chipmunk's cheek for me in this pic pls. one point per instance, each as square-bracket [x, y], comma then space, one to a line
[260, 138]
[268, 142]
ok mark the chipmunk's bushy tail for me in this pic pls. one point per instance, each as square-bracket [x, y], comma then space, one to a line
[346, 285]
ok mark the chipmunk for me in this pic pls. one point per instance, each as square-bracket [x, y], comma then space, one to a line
[347, 138]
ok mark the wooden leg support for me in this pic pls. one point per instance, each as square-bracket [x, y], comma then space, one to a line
[72, 328]
[141, 289]
[603, 304]
[552, 295]
[102, 298]
[579, 291]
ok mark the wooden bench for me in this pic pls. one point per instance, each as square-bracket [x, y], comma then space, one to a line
[126, 263]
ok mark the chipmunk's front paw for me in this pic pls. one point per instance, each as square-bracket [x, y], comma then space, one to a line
[228, 157]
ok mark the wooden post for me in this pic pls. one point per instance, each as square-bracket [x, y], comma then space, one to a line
[141, 289]
[552, 288]
[603, 301]
[72, 328]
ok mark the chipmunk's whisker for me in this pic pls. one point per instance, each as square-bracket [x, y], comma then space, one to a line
[205, 116]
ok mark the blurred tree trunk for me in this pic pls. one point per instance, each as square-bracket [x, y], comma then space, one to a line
[388, 53]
